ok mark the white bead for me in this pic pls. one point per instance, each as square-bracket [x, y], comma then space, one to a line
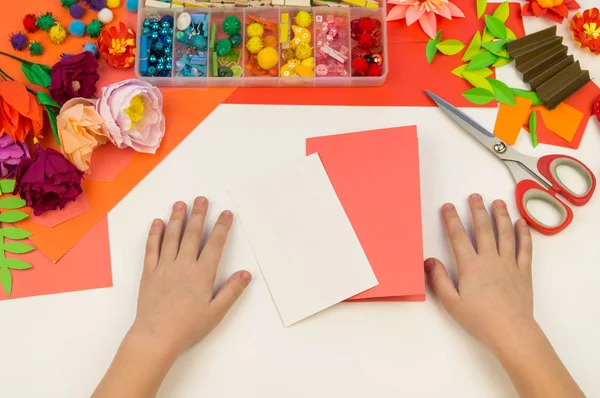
[105, 15]
[184, 21]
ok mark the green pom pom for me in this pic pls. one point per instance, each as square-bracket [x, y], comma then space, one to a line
[36, 48]
[46, 21]
[94, 28]
[67, 3]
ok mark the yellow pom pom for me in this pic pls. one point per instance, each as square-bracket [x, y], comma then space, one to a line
[303, 51]
[58, 34]
[303, 19]
[254, 45]
[255, 29]
[309, 62]
[267, 58]
[113, 3]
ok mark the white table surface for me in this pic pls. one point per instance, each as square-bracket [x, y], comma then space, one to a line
[60, 345]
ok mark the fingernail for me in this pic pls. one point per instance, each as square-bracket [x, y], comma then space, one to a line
[476, 197]
[178, 206]
[156, 222]
[522, 223]
[499, 204]
[246, 276]
[227, 214]
[200, 201]
[448, 207]
[429, 264]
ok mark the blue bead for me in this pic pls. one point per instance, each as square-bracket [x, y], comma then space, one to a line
[160, 67]
[158, 46]
[168, 67]
[154, 35]
[168, 51]
[146, 31]
[168, 59]
[171, 31]
[151, 70]
[169, 40]
[163, 32]
[169, 19]
[155, 26]
[152, 59]
[165, 24]
[147, 23]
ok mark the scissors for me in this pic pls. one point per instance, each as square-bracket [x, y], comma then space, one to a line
[536, 178]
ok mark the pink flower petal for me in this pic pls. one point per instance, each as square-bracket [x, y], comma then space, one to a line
[397, 12]
[444, 11]
[428, 24]
[401, 2]
[455, 11]
[413, 13]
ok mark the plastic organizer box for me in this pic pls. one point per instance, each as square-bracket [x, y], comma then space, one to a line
[191, 51]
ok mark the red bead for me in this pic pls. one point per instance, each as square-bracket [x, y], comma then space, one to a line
[367, 24]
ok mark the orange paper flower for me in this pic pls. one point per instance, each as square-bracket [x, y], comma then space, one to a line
[586, 30]
[117, 46]
[20, 113]
[556, 10]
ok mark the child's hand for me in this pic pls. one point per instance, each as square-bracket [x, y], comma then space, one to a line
[176, 308]
[494, 299]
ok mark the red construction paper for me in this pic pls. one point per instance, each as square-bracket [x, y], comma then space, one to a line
[85, 266]
[53, 218]
[108, 161]
[376, 177]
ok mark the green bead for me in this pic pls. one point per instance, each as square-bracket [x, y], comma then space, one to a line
[225, 71]
[236, 39]
[223, 47]
[232, 25]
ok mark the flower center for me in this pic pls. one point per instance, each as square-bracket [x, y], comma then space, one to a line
[135, 111]
[592, 30]
[118, 46]
[549, 3]
[76, 85]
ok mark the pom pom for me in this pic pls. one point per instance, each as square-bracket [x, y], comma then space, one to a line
[58, 34]
[303, 51]
[68, 3]
[360, 66]
[267, 58]
[303, 19]
[77, 28]
[91, 47]
[76, 11]
[46, 21]
[255, 29]
[254, 45]
[374, 70]
[94, 29]
[35, 48]
[131, 5]
[113, 3]
[367, 25]
[19, 40]
[29, 23]
[366, 41]
[105, 16]
[97, 5]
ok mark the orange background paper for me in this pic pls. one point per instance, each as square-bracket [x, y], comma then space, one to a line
[376, 177]
[510, 120]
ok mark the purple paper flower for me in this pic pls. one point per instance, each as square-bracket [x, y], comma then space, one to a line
[74, 77]
[18, 40]
[11, 154]
[47, 180]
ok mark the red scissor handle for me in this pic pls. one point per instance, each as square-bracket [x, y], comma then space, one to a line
[530, 190]
[547, 165]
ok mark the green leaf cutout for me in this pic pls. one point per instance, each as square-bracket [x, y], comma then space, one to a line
[17, 247]
[533, 128]
[504, 54]
[502, 12]
[501, 62]
[485, 58]
[495, 26]
[6, 280]
[478, 96]
[7, 186]
[481, 6]
[531, 95]
[502, 92]
[459, 71]
[483, 72]
[52, 114]
[478, 81]
[450, 47]
[487, 36]
[13, 216]
[474, 48]
[14, 233]
[510, 35]
[15, 263]
[496, 47]
[35, 74]
[44, 99]
[431, 49]
[12, 203]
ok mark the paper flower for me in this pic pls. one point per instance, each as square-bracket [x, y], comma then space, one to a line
[47, 181]
[20, 113]
[74, 77]
[586, 30]
[424, 11]
[81, 130]
[11, 154]
[556, 10]
[132, 113]
[117, 46]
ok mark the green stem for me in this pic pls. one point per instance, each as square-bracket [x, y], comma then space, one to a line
[16, 58]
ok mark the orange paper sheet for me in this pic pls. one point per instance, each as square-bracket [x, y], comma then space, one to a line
[510, 120]
[563, 121]
[51, 219]
[376, 177]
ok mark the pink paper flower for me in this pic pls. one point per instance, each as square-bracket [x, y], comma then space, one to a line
[424, 11]
[132, 113]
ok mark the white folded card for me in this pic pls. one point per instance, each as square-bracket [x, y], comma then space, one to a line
[305, 246]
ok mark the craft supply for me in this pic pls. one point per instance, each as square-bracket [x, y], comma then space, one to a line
[29, 23]
[92, 48]
[297, 53]
[226, 42]
[36, 48]
[191, 49]
[67, 3]
[131, 5]
[19, 41]
[362, 167]
[58, 34]
[117, 47]
[510, 120]
[586, 30]
[262, 60]
[105, 16]
[76, 11]
[366, 44]
[96, 5]
[94, 28]
[536, 179]
[425, 12]
[562, 85]
[556, 10]
[46, 21]
[297, 207]
[77, 28]
[332, 31]
[113, 3]
[157, 36]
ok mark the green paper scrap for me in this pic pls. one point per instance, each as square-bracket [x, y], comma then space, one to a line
[502, 92]
[495, 26]
[17, 247]
[35, 74]
[7, 186]
[474, 48]
[481, 6]
[14, 233]
[485, 58]
[501, 62]
[44, 99]
[431, 47]
[504, 54]
[487, 36]
[533, 128]
[478, 96]
[12, 203]
[13, 216]
[531, 95]
[52, 114]
[496, 47]
[15, 263]
[483, 72]
[510, 35]
[502, 12]
[450, 47]
[478, 81]
[459, 71]
[6, 279]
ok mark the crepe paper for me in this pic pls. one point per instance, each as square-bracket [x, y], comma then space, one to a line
[502, 92]
[450, 47]
[481, 6]
[108, 161]
[11, 203]
[478, 81]
[510, 120]
[533, 128]
[35, 74]
[17, 247]
[485, 58]
[12, 216]
[360, 166]
[44, 99]
[556, 10]
[431, 48]
[14, 233]
[502, 12]
[495, 26]
[7, 186]
[478, 96]
[53, 218]
[586, 30]
[474, 47]
[496, 47]
[318, 260]
[487, 36]
[535, 99]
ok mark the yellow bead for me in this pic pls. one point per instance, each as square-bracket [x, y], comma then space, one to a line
[309, 62]
[267, 58]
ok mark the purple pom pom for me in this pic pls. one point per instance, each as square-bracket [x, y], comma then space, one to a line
[19, 41]
[97, 5]
[65, 56]
[76, 11]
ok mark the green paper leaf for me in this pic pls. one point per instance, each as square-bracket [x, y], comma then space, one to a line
[12, 203]
[14, 233]
[459, 71]
[481, 6]
[487, 36]
[533, 128]
[35, 74]
[478, 81]
[15, 263]
[496, 47]
[485, 58]
[17, 247]
[502, 12]
[483, 72]
[504, 54]
[533, 96]
[7, 186]
[13, 216]
[52, 114]
[6, 280]
[510, 35]
[474, 48]
[502, 92]
[495, 26]
[431, 49]
[450, 47]
[501, 62]
[478, 96]
[44, 99]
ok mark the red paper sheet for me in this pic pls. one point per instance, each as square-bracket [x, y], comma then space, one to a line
[376, 176]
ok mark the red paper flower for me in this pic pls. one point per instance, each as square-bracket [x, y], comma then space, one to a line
[556, 10]
[586, 30]
[117, 46]
[29, 23]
